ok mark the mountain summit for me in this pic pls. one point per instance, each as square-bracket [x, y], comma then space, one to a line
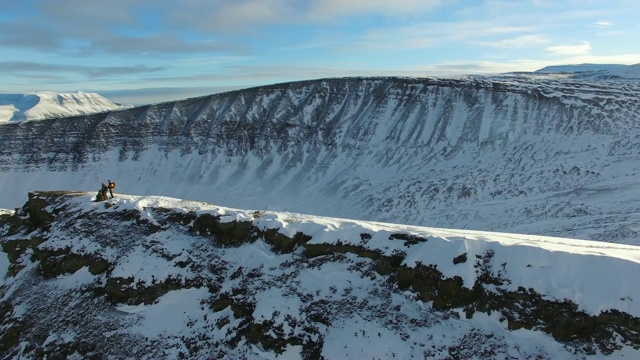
[44, 104]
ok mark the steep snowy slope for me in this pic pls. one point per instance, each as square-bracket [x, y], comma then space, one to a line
[156, 277]
[44, 104]
[526, 154]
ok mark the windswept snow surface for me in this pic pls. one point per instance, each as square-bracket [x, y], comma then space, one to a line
[45, 104]
[595, 275]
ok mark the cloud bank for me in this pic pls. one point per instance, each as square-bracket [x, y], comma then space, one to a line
[75, 45]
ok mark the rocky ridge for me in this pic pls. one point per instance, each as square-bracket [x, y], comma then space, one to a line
[86, 279]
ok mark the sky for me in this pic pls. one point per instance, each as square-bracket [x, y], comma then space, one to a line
[147, 51]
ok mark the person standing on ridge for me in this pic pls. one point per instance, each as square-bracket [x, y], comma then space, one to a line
[112, 186]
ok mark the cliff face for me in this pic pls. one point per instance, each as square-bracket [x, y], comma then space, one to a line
[513, 153]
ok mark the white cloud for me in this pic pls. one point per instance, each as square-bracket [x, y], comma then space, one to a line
[517, 42]
[477, 67]
[115, 11]
[245, 15]
[425, 35]
[328, 9]
[254, 12]
[603, 24]
[626, 59]
[581, 49]
[230, 16]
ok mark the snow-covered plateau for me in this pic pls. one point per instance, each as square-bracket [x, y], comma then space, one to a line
[147, 277]
[596, 71]
[46, 104]
[540, 153]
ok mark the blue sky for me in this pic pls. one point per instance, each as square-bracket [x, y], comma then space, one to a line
[142, 51]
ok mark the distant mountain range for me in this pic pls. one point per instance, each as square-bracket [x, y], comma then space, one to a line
[596, 71]
[45, 104]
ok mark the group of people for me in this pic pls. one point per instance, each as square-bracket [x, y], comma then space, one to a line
[105, 191]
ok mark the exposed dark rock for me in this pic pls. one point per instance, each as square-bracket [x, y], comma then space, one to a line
[314, 250]
[460, 259]
[284, 243]
[233, 233]
[388, 264]
[221, 303]
[408, 238]
[57, 262]
[11, 330]
[15, 249]
[128, 291]
[184, 219]
[40, 217]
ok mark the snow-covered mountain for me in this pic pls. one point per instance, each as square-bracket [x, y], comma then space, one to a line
[596, 71]
[45, 104]
[162, 278]
[533, 154]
